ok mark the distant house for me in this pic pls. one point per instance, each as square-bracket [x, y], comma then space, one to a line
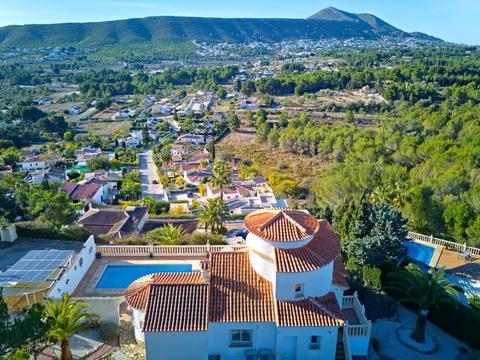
[42, 161]
[200, 155]
[109, 180]
[51, 175]
[87, 153]
[192, 139]
[249, 105]
[195, 177]
[243, 197]
[75, 111]
[185, 167]
[87, 194]
[134, 140]
[115, 223]
[44, 101]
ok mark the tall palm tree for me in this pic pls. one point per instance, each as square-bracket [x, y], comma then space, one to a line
[424, 290]
[220, 176]
[213, 214]
[67, 317]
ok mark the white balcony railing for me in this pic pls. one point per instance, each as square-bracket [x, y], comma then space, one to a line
[346, 343]
[365, 326]
[448, 244]
[164, 250]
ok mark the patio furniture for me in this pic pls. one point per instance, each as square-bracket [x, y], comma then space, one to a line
[465, 255]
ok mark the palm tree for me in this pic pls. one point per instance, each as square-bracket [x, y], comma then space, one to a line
[424, 290]
[167, 235]
[220, 176]
[67, 317]
[213, 214]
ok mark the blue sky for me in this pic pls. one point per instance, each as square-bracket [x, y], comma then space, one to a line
[452, 20]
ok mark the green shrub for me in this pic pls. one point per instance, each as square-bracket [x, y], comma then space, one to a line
[19, 354]
[459, 321]
[39, 230]
[109, 331]
[372, 277]
[474, 302]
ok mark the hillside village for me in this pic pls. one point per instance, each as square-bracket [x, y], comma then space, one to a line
[296, 199]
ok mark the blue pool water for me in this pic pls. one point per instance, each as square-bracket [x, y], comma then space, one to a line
[419, 252]
[120, 276]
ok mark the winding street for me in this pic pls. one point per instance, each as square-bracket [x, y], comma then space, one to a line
[148, 173]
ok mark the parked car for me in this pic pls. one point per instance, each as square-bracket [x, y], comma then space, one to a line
[155, 182]
[241, 233]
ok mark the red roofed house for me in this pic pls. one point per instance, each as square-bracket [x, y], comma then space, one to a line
[280, 299]
[86, 193]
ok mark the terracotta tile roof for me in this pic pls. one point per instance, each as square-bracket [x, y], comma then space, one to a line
[320, 251]
[113, 222]
[137, 293]
[339, 273]
[238, 293]
[322, 311]
[177, 308]
[283, 225]
[81, 192]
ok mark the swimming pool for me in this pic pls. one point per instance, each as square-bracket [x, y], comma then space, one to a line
[120, 276]
[419, 252]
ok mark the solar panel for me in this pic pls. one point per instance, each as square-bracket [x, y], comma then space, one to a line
[36, 266]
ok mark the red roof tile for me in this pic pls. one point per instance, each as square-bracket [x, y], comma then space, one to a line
[177, 308]
[320, 251]
[238, 293]
[137, 292]
[81, 192]
[283, 225]
[322, 311]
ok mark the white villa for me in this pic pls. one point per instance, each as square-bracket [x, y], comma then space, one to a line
[281, 298]
[243, 197]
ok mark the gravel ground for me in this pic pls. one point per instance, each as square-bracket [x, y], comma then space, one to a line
[449, 348]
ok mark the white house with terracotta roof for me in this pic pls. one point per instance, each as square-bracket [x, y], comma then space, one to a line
[280, 298]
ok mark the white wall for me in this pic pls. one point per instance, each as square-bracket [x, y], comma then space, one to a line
[219, 339]
[138, 318]
[315, 283]
[106, 307]
[176, 345]
[338, 291]
[97, 198]
[359, 345]
[301, 338]
[72, 277]
[40, 165]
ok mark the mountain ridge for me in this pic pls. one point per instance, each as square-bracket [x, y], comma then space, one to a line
[327, 23]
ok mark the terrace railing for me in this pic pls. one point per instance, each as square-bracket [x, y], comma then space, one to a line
[165, 250]
[346, 342]
[365, 326]
[448, 244]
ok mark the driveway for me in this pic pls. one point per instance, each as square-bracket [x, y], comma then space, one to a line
[148, 173]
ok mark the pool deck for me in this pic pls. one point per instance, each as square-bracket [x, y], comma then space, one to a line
[86, 288]
[458, 266]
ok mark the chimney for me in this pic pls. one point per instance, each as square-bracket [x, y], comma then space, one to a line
[205, 270]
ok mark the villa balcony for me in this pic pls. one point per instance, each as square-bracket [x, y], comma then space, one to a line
[357, 330]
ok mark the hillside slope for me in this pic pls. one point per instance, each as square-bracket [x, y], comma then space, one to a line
[328, 23]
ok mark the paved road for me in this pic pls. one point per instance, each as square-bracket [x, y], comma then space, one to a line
[148, 173]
